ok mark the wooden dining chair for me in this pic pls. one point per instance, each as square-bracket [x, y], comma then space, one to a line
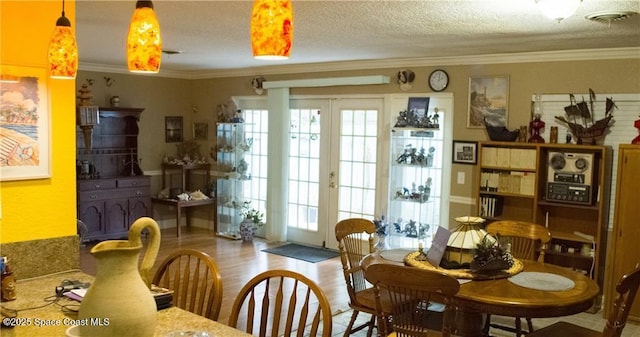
[355, 240]
[528, 241]
[195, 280]
[627, 288]
[282, 303]
[410, 291]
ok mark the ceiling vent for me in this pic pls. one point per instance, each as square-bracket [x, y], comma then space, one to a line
[609, 16]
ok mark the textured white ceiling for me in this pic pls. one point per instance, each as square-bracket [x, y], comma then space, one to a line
[214, 35]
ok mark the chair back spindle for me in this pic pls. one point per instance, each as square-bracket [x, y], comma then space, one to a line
[195, 280]
[281, 303]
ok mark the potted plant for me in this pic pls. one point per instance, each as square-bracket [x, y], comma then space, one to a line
[252, 220]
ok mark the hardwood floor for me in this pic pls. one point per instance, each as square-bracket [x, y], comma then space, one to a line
[239, 262]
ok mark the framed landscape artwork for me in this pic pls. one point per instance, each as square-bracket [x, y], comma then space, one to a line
[173, 129]
[488, 101]
[24, 124]
[200, 130]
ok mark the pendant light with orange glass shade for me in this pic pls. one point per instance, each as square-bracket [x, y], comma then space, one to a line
[271, 29]
[63, 50]
[144, 43]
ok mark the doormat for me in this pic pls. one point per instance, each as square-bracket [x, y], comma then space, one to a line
[304, 253]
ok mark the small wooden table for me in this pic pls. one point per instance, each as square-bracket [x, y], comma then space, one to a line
[502, 297]
[180, 204]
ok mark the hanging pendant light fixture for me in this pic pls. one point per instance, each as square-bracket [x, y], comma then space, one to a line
[144, 43]
[558, 9]
[271, 29]
[63, 50]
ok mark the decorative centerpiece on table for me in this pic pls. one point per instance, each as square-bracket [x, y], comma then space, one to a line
[580, 121]
[252, 220]
[491, 255]
[463, 241]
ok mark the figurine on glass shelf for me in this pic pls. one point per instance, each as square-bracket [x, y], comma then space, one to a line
[411, 229]
[417, 193]
[411, 118]
[422, 230]
[405, 157]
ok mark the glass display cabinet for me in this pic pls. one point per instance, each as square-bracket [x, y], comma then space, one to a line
[231, 171]
[415, 176]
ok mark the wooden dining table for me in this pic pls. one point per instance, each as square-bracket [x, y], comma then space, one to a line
[501, 296]
[40, 313]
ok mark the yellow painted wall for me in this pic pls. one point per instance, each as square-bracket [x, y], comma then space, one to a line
[43, 208]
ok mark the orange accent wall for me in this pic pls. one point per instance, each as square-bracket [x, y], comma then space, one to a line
[43, 208]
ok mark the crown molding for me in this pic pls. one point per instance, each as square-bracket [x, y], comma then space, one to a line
[546, 56]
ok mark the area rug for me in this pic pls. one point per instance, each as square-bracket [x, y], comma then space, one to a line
[304, 253]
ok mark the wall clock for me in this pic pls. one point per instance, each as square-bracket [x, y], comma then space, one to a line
[438, 80]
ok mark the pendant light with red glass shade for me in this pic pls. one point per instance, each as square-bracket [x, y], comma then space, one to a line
[271, 29]
[144, 43]
[63, 50]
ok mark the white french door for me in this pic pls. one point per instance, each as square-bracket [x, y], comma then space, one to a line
[333, 161]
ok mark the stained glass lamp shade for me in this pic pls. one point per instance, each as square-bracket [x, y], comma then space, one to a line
[144, 43]
[465, 239]
[271, 29]
[63, 50]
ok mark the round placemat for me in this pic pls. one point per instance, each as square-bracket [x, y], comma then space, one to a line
[542, 281]
[465, 273]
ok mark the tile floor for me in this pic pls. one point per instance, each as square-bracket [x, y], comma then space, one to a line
[593, 321]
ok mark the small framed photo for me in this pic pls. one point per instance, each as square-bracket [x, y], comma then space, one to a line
[173, 129]
[488, 101]
[200, 130]
[465, 152]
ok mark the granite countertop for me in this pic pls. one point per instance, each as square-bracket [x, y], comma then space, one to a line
[39, 315]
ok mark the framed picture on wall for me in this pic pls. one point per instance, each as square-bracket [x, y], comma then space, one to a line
[465, 152]
[200, 130]
[173, 129]
[24, 129]
[488, 101]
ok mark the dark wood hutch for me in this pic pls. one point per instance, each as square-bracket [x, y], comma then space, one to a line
[112, 190]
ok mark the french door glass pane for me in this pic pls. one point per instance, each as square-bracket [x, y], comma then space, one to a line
[304, 161]
[357, 164]
[256, 132]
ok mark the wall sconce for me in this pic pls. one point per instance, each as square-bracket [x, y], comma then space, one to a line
[271, 29]
[256, 83]
[144, 43]
[558, 9]
[63, 50]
